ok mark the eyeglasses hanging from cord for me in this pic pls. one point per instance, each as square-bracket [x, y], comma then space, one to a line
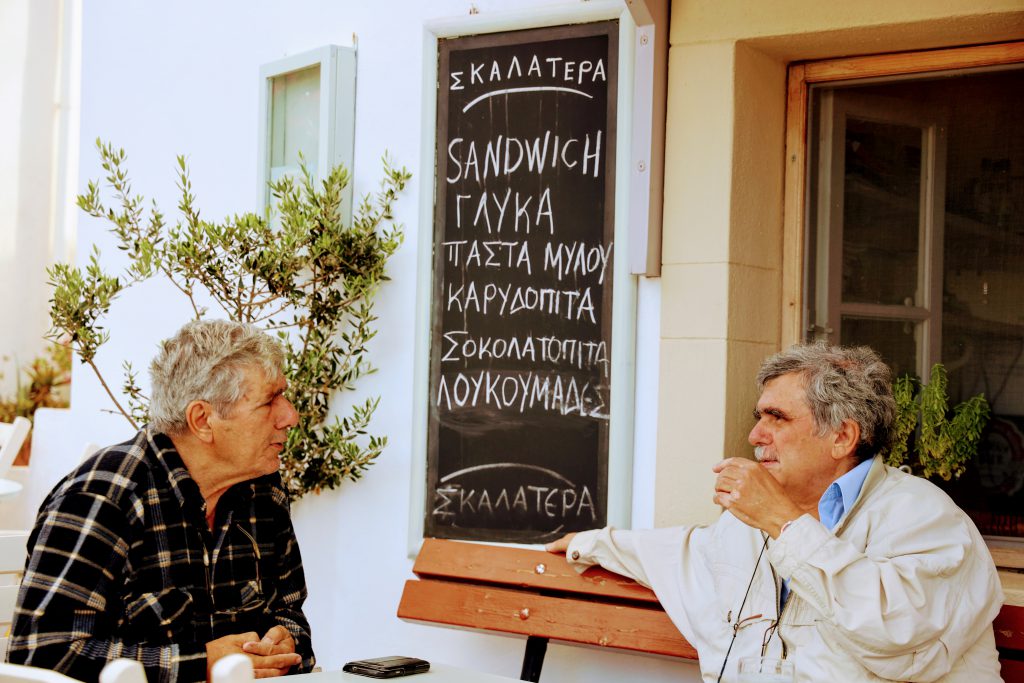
[739, 613]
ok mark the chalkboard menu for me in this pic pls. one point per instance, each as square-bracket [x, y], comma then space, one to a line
[523, 250]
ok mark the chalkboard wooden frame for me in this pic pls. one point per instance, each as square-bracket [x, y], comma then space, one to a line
[517, 529]
[634, 414]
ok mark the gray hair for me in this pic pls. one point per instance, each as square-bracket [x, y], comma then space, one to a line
[206, 360]
[841, 383]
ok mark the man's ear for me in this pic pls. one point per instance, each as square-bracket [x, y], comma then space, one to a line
[845, 440]
[197, 415]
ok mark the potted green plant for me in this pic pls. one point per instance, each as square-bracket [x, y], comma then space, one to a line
[48, 385]
[929, 439]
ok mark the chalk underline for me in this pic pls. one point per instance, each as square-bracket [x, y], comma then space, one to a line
[506, 465]
[535, 89]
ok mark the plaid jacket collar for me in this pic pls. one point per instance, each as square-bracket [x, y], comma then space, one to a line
[180, 480]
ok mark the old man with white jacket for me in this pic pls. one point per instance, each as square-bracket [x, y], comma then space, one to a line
[825, 556]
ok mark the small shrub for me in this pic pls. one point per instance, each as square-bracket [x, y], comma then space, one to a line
[306, 276]
[943, 444]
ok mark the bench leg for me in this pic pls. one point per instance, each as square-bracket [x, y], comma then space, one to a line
[533, 660]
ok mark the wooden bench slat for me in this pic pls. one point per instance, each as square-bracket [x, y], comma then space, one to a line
[1012, 670]
[502, 565]
[1013, 587]
[1009, 628]
[499, 609]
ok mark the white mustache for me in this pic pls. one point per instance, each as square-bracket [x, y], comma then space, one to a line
[760, 454]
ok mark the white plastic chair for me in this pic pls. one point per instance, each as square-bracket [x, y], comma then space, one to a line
[16, 673]
[12, 563]
[123, 671]
[232, 669]
[12, 435]
[117, 671]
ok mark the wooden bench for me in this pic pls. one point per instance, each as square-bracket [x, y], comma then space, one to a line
[1009, 624]
[536, 594]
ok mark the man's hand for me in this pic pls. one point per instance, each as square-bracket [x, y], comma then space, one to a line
[560, 545]
[276, 662]
[751, 493]
[277, 641]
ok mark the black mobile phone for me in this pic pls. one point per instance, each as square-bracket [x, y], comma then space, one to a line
[387, 667]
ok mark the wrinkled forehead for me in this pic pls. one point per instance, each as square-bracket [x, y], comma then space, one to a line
[788, 389]
[257, 381]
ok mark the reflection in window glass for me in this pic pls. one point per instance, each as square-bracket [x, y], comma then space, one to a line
[893, 339]
[881, 212]
[978, 240]
[295, 121]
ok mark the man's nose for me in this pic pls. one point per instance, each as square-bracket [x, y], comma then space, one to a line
[758, 435]
[289, 416]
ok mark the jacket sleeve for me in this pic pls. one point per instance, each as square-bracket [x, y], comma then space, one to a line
[611, 548]
[285, 607]
[670, 561]
[68, 604]
[910, 604]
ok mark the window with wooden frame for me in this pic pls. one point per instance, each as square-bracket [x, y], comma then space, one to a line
[905, 232]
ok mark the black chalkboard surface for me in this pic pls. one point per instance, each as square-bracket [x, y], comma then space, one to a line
[523, 251]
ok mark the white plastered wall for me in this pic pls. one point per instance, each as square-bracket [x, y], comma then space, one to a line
[33, 120]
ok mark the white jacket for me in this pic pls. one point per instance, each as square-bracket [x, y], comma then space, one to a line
[903, 589]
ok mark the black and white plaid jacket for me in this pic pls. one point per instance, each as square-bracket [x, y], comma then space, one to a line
[122, 564]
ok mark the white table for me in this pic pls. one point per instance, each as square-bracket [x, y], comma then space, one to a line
[9, 489]
[439, 673]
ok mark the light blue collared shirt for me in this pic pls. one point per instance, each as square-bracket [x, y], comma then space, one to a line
[842, 494]
[837, 499]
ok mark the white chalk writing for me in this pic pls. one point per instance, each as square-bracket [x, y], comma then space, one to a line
[577, 258]
[548, 501]
[460, 345]
[519, 392]
[505, 155]
[491, 215]
[565, 70]
[488, 254]
[509, 299]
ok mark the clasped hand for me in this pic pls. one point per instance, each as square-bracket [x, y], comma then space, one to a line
[271, 655]
[753, 495]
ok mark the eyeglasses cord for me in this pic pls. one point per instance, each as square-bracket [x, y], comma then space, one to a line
[736, 624]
